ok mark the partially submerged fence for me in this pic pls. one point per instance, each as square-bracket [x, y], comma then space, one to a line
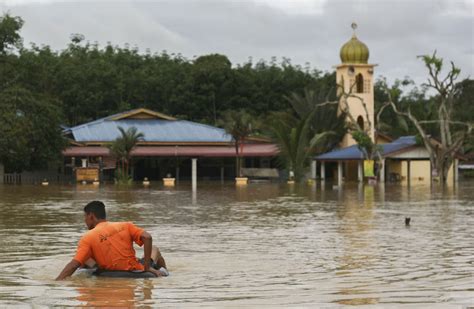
[35, 178]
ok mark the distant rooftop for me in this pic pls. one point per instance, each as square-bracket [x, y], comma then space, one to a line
[354, 153]
[156, 127]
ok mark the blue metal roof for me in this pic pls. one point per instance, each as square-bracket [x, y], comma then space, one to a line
[353, 152]
[155, 130]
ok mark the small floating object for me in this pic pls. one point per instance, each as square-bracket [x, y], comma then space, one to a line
[96, 182]
[311, 181]
[146, 182]
[241, 181]
[290, 182]
[44, 182]
[334, 187]
[84, 182]
[168, 181]
[407, 221]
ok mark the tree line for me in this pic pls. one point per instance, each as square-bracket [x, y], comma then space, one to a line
[42, 89]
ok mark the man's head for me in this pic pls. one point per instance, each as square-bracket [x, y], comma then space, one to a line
[94, 212]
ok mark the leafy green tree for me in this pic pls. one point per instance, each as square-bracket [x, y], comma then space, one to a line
[211, 76]
[450, 132]
[30, 132]
[122, 149]
[10, 33]
[313, 126]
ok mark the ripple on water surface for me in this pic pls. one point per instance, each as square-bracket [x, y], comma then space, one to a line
[264, 244]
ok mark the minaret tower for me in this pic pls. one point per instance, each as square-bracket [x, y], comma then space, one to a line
[355, 73]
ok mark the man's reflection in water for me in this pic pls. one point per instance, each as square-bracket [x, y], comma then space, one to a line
[116, 293]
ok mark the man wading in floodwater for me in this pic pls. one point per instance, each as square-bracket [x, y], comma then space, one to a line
[110, 245]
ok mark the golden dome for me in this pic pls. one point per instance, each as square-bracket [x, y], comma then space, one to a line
[354, 51]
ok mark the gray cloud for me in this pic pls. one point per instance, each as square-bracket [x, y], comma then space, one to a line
[305, 31]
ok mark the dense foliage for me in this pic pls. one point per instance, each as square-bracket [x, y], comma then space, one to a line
[85, 81]
[312, 126]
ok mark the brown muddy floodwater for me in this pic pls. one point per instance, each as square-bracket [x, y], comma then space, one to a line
[265, 245]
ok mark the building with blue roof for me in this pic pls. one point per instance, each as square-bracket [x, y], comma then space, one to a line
[404, 160]
[168, 146]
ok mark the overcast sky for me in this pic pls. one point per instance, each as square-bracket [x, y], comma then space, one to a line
[396, 31]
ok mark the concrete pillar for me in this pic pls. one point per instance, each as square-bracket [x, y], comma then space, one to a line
[2, 173]
[455, 170]
[323, 171]
[194, 173]
[313, 169]
[339, 173]
[409, 172]
[84, 162]
[382, 172]
[194, 198]
[360, 171]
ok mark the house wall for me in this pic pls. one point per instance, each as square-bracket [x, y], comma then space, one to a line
[351, 171]
[395, 168]
[420, 171]
[451, 173]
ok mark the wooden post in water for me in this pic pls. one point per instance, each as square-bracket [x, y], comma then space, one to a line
[382, 172]
[323, 171]
[339, 173]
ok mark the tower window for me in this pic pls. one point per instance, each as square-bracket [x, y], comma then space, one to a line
[360, 122]
[359, 83]
[367, 86]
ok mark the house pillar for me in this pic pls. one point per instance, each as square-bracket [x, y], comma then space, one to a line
[339, 173]
[360, 171]
[323, 171]
[409, 172]
[455, 170]
[313, 169]
[84, 162]
[194, 173]
[382, 172]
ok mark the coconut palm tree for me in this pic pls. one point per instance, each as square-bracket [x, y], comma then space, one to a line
[122, 148]
[310, 127]
[240, 125]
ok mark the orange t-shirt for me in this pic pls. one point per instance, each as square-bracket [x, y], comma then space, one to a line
[110, 244]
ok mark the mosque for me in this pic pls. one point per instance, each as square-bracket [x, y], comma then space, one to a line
[404, 160]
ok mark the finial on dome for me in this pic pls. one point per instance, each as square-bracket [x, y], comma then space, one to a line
[354, 51]
[354, 27]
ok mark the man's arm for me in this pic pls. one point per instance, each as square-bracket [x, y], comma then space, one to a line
[69, 269]
[147, 243]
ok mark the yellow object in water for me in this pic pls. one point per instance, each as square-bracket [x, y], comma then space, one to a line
[369, 168]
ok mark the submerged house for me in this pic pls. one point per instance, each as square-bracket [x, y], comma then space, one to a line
[405, 161]
[168, 148]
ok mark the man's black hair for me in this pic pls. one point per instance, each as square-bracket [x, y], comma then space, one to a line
[97, 208]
